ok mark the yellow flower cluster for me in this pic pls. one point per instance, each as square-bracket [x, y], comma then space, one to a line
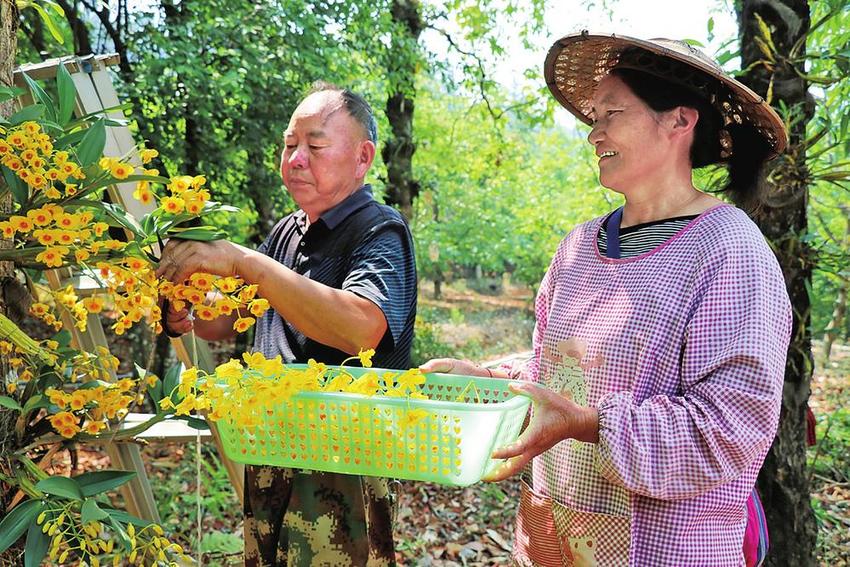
[186, 193]
[16, 359]
[130, 286]
[29, 153]
[90, 543]
[89, 409]
[61, 232]
[241, 394]
[227, 296]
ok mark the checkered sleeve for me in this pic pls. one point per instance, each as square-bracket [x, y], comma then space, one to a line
[732, 364]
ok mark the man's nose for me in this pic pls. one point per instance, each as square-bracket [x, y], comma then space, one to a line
[298, 159]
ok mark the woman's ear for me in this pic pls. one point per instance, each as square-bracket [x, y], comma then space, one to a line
[685, 118]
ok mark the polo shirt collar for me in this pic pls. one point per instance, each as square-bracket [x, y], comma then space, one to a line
[338, 213]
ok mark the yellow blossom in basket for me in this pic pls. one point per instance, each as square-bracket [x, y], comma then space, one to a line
[411, 379]
[339, 383]
[366, 385]
[412, 417]
[231, 369]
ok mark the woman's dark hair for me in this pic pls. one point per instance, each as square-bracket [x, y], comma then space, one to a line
[749, 149]
[356, 106]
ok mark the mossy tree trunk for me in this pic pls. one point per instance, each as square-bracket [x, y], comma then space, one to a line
[399, 147]
[8, 49]
[783, 482]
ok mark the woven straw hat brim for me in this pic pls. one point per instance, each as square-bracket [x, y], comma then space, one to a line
[577, 63]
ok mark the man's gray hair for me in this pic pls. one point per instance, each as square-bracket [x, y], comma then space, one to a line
[355, 104]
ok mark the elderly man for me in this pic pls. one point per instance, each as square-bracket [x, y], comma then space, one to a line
[340, 276]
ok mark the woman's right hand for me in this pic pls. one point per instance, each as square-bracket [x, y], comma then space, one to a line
[454, 366]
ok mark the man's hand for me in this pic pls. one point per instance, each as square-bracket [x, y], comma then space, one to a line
[555, 418]
[177, 322]
[182, 258]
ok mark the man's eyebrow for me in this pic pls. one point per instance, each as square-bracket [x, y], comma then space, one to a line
[310, 134]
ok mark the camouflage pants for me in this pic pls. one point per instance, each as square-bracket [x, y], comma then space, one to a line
[315, 519]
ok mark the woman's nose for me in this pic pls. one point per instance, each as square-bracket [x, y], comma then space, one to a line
[595, 135]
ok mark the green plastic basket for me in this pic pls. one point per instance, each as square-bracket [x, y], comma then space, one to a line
[352, 434]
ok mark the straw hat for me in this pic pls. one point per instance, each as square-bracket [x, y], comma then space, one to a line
[577, 62]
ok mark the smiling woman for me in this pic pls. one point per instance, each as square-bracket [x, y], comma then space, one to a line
[661, 327]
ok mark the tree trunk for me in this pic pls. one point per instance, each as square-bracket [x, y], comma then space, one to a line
[840, 308]
[8, 49]
[398, 150]
[783, 482]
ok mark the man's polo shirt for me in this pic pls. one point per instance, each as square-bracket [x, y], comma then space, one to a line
[359, 246]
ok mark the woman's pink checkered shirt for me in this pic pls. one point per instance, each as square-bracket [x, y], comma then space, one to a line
[682, 350]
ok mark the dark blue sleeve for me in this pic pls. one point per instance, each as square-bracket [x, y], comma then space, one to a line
[384, 272]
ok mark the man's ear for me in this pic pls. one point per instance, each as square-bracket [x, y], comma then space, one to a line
[365, 157]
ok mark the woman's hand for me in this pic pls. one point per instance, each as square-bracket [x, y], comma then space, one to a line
[555, 418]
[454, 366]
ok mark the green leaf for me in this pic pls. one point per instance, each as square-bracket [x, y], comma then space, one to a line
[7, 402]
[195, 423]
[91, 147]
[171, 379]
[8, 93]
[48, 21]
[91, 511]
[18, 188]
[119, 530]
[36, 547]
[41, 97]
[96, 482]
[67, 95]
[13, 525]
[203, 233]
[69, 139]
[36, 401]
[61, 486]
[125, 518]
[120, 216]
[29, 112]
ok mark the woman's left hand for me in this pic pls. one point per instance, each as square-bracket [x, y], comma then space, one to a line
[555, 418]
